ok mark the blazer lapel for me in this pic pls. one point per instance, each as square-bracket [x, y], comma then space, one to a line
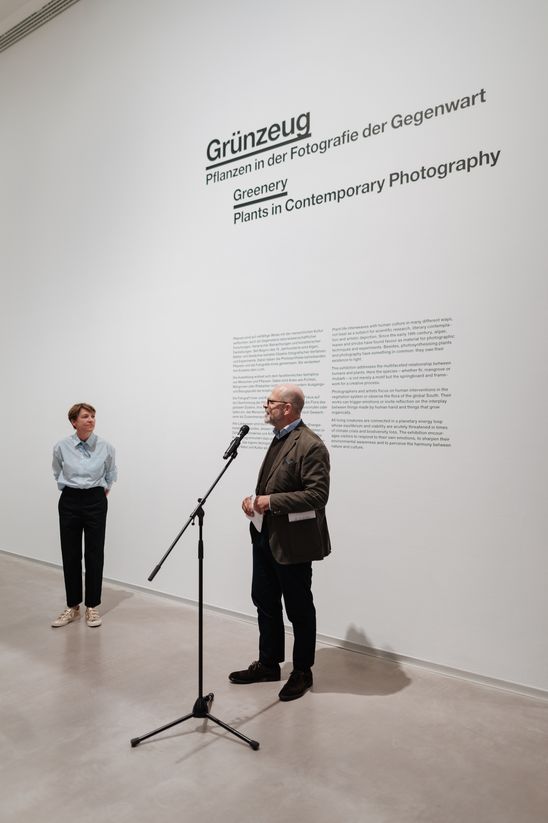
[291, 440]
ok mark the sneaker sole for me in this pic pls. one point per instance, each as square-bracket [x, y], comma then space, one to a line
[60, 625]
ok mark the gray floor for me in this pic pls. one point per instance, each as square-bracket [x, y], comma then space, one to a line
[373, 741]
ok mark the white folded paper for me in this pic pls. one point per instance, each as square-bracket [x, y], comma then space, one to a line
[293, 516]
[255, 518]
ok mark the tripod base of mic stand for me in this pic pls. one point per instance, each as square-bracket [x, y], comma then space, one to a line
[200, 709]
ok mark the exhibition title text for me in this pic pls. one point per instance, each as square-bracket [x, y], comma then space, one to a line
[292, 135]
[262, 139]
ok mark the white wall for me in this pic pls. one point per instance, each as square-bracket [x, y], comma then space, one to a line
[124, 282]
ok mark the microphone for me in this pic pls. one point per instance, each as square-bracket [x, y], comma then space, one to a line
[236, 442]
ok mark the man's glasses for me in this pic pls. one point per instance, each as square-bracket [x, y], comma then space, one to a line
[271, 402]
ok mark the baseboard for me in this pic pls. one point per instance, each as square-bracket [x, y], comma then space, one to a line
[400, 659]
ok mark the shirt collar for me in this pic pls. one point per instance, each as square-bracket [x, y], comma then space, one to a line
[287, 429]
[89, 443]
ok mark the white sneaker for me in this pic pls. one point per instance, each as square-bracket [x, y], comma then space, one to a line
[93, 618]
[65, 617]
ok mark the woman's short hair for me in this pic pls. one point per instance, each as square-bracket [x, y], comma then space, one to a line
[75, 410]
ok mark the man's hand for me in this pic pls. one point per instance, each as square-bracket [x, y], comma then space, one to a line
[262, 503]
[247, 506]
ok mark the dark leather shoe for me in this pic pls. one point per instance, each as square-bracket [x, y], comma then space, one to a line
[297, 685]
[256, 673]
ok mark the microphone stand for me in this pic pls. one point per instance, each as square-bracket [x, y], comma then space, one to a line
[203, 702]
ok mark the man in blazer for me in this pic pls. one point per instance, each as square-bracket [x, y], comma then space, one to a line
[291, 494]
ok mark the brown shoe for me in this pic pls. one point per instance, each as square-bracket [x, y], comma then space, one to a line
[297, 685]
[256, 673]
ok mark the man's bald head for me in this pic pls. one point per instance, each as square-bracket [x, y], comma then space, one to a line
[291, 393]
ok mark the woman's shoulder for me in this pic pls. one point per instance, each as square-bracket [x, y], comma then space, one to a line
[100, 441]
[65, 441]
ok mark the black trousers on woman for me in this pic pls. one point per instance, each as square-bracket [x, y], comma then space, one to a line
[83, 512]
[293, 582]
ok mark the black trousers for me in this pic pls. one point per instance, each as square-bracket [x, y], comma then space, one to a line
[293, 582]
[83, 512]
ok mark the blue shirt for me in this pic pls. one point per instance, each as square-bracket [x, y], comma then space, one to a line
[84, 464]
[288, 428]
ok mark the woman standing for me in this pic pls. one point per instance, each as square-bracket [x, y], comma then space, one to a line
[85, 469]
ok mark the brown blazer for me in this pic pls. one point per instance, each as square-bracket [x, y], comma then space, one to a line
[298, 482]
